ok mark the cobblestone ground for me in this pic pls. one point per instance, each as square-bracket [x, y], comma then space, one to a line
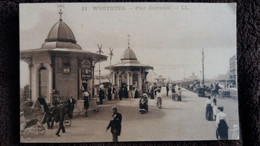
[177, 120]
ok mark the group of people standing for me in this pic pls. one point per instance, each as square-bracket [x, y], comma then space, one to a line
[214, 112]
[111, 93]
[176, 92]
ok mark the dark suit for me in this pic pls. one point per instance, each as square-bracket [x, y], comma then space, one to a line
[115, 125]
[101, 96]
[60, 114]
[71, 103]
[109, 94]
[167, 89]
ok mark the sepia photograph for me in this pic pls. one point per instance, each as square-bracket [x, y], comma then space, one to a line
[123, 72]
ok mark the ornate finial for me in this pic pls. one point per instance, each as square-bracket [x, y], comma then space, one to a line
[128, 39]
[60, 11]
[111, 52]
[99, 49]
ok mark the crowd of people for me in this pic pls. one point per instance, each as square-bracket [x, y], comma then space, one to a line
[59, 109]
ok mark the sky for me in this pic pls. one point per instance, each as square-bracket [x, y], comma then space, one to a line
[168, 36]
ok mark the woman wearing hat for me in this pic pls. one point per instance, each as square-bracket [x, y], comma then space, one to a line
[221, 123]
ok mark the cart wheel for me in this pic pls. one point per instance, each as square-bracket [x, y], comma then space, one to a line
[27, 133]
[41, 130]
[67, 122]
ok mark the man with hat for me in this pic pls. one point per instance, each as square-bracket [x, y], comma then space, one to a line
[115, 124]
[71, 102]
[221, 123]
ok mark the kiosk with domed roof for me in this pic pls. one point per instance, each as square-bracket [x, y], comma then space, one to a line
[130, 72]
[60, 66]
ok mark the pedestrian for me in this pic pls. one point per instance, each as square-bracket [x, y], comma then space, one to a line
[136, 93]
[114, 91]
[125, 92]
[115, 124]
[109, 93]
[214, 108]
[167, 89]
[71, 103]
[208, 107]
[121, 93]
[86, 102]
[101, 93]
[159, 98]
[179, 94]
[22, 123]
[143, 102]
[215, 100]
[60, 115]
[152, 92]
[221, 123]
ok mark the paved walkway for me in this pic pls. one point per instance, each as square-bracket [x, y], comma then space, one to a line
[183, 120]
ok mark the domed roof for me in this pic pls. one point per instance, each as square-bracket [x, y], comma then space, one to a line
[61, 32]
[129, 54]
[60, 36]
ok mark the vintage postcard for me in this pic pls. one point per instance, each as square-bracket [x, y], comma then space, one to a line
[120, 72]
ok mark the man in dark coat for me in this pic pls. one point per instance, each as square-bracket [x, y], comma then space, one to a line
[109, 93]
[115, 124]
[60, 115]
[125, 92]
[71, 103]
[121, 93]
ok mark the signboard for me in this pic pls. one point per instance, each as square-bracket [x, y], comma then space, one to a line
[86, 71]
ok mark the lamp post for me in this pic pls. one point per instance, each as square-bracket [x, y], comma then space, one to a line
[99, 52]
[110, 54]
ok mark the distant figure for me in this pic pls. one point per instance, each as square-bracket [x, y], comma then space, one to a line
[159, 98]
[71, 103]
[143, 102]
[167, 89]
[179, 94]
[101, 94]
[85, 85]
[114, 93]
[136, 93]
[214, 108]
[208, 107]
[22, 122]
[121, 93]
[211, 86]
[222, 126]
[86, 102]
[152, 92]
[115, 124]
[125, 92]
[215, 100]
[109, 93]
[173, 89]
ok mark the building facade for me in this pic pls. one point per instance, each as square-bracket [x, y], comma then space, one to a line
[60, 66]
[130, 72]
[233, 68]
